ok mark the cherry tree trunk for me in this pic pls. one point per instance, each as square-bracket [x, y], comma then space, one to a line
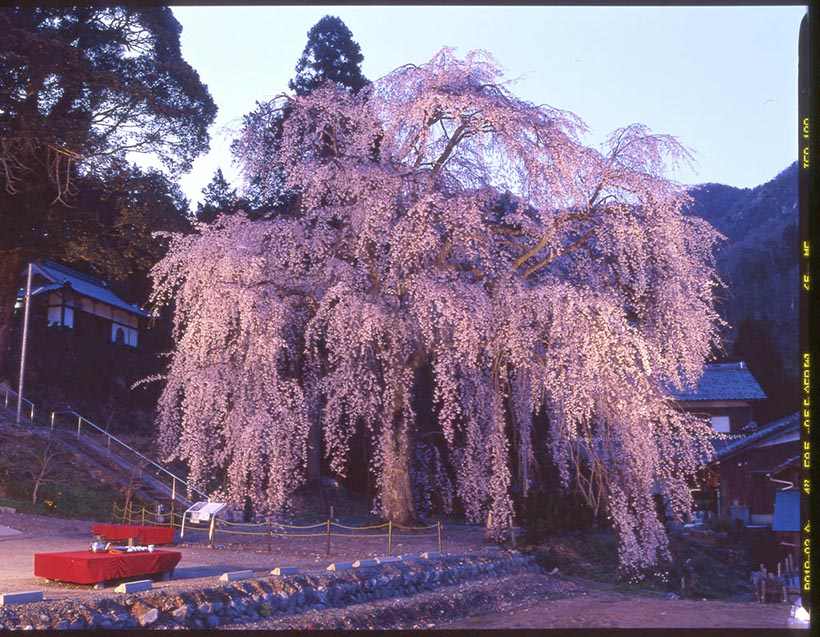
[396, 492]
[314, 455]
[11, 267]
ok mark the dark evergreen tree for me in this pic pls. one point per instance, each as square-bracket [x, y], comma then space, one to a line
[219, 198]
[331, 54]
[81, 87]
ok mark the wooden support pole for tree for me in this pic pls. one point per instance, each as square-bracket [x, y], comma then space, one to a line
[327, 545]
[143, 516]
[389, 537]
[268, 536]
[438, 525]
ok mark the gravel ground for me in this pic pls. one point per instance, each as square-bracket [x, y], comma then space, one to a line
[525, 600]
[201, 566]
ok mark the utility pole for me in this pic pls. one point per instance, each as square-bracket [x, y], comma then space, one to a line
[23, 348]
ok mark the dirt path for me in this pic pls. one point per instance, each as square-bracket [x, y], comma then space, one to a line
[592, 608]
[530, 601]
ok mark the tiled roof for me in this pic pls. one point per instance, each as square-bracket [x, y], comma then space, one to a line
[82, 284]
[723, 381]
[776, 428]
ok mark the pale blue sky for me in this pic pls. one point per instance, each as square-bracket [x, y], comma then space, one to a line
[721, 79]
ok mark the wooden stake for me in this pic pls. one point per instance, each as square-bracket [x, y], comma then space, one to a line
[212, 532]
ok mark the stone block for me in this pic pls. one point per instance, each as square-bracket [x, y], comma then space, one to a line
[387, 559]
[134, 587]
[407, 557]
[431, 555]
[340, 566]
[285, 570]
[7, 599]
[364, 563]
[235, 575]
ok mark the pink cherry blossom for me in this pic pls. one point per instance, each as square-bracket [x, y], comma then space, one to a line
[482, 237]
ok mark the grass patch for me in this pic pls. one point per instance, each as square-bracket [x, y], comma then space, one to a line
[713, 565]
[68, 487]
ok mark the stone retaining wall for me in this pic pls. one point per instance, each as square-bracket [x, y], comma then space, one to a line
[251, 600]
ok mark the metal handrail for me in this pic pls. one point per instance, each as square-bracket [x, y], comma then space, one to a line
[10, 391]
[81, 419]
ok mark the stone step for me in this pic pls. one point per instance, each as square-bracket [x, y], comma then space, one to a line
[235, 575]
[7, 599]
[340, 566]
[134, 587]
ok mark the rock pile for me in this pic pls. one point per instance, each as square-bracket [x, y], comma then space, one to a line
[253, 600]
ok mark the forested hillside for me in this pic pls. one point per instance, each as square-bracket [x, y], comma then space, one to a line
[759, 264]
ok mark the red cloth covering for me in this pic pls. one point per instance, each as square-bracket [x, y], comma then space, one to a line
[85, 567]
[147, 534]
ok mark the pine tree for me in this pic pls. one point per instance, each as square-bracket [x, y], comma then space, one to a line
[218, 198]
[331, 54]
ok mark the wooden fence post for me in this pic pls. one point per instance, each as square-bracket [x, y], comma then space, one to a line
[327, 547]
[438, 524]
[389, 537]
[143, 515]
[268, 536]
[212, 532]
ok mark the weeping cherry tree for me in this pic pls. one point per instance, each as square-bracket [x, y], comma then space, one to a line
[446, 222]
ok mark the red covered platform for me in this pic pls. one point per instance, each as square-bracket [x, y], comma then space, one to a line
[85, 567]
[146, 534]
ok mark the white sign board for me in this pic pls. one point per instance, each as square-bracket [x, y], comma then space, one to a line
[202, 511]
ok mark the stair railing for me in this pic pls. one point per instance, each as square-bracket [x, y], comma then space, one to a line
[175, 480]
[10, 393]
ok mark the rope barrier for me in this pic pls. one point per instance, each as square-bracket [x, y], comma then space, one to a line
[413, 528]
[243, 523]
[360, 528]
[275, 529]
